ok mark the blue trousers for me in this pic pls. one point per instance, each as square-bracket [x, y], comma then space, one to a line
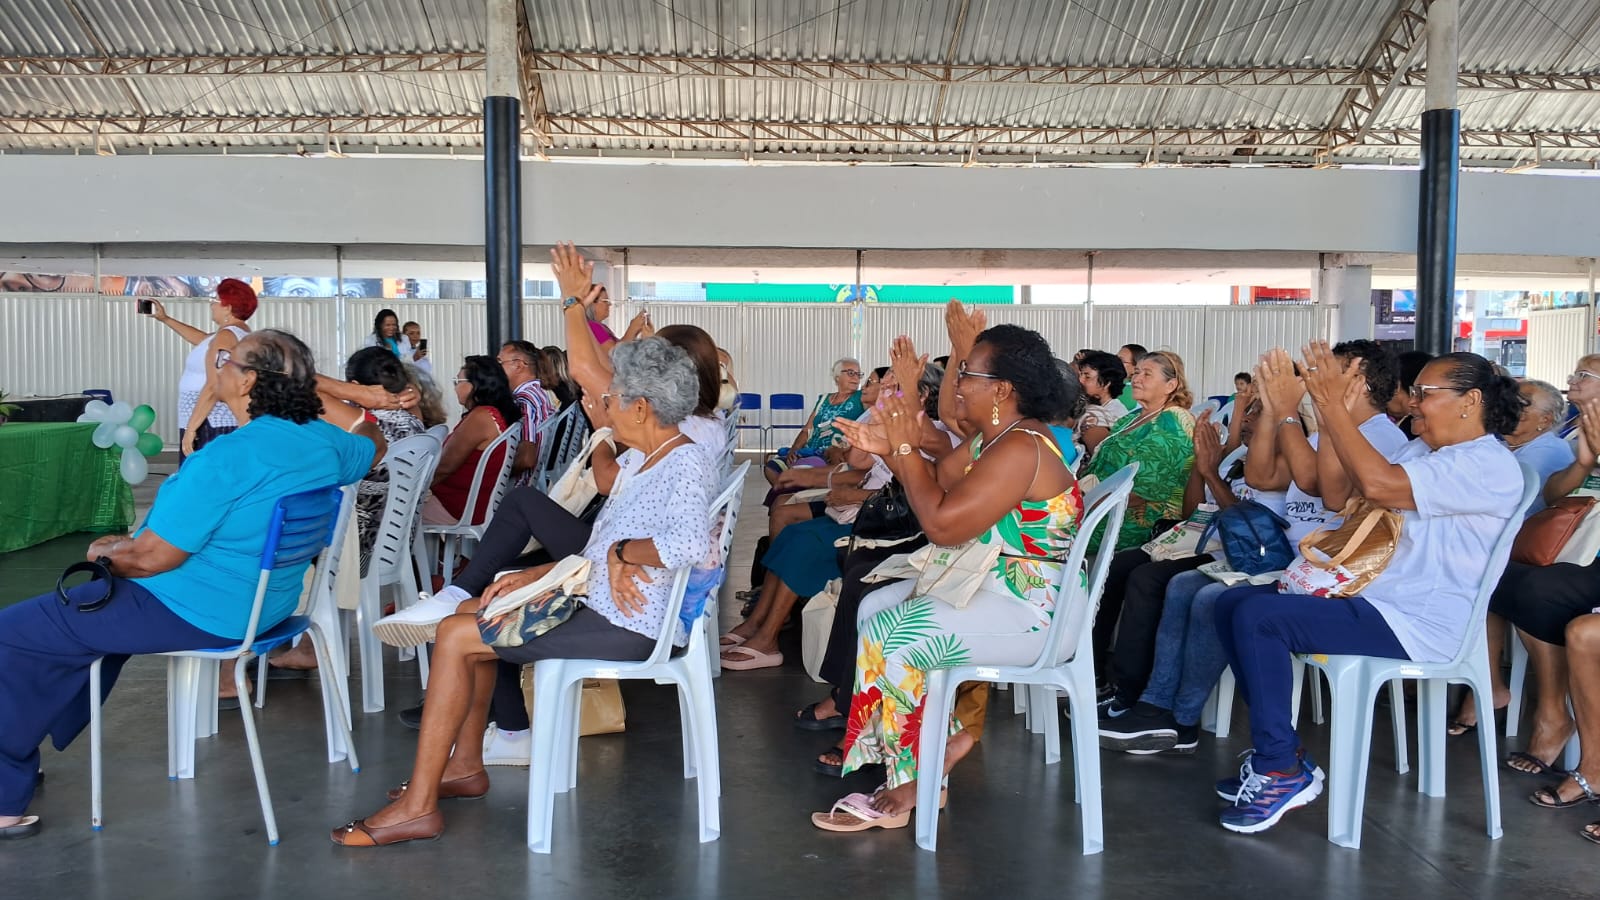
[1189, 657]
[46, 649]
[1260, 628]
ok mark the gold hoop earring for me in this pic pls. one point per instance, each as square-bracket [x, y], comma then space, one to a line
[994, 417]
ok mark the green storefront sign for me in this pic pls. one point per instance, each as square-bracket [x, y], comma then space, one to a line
[844, 293]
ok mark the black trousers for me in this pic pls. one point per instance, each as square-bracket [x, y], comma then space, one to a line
[839, 660]
[1144, 597]
[1105, 618]
[524, 513]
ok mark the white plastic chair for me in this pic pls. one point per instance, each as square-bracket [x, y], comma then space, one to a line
[1356, 679]
[1066, 663]
[555, 446]
[558, 686]
[730, 498]
[468, 527]
[302, 526]
[410, 462]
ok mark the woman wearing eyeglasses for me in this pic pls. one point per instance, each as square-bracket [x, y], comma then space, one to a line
[202, 417]
[1455, 488]
[483, 391]
[818, 435]
[1540, 601]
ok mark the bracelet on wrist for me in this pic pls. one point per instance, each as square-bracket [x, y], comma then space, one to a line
[617, 550]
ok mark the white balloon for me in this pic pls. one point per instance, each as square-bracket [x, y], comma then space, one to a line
[134, 466]
[105, 434]
[125, 437]
[94, 411]
[120, 412]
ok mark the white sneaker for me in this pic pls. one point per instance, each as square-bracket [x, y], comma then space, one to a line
[416, 623]
[507, 748]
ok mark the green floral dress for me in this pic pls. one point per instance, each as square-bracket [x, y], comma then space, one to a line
[1164, 450]
[903, 636]
[823, 434]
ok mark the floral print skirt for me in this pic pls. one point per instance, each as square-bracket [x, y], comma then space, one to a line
[901, 637]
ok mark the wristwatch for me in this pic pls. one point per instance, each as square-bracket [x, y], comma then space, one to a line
[902, 450]
[617, 550]
[569, 303]
[1288, 420]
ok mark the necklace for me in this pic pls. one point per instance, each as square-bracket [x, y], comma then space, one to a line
[659, 447]
[996, 440]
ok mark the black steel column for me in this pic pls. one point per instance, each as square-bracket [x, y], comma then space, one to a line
[1436, 230]
[502, 185]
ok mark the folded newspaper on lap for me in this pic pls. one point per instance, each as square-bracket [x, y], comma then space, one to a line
[1219, 571]
[806, 496]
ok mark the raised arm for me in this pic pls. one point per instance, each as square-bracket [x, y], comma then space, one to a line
[963, 328]
[590, 364]
[188, 332]
[1285, 390]
[1371, 475]
[1572, 477]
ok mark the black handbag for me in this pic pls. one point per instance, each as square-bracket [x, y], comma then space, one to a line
[886, 516]
[885, 522]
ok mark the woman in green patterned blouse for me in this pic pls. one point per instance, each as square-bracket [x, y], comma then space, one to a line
[1159, 436]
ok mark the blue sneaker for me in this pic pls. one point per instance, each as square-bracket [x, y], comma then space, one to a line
[1264, 798]
[1228, 788]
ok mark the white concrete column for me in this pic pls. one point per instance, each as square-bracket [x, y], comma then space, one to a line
[503, 68]
[1444, 52]
[1347, 289]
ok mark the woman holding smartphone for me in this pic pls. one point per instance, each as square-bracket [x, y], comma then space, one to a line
[203, 418]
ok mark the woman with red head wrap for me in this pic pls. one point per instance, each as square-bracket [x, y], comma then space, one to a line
[202, 416]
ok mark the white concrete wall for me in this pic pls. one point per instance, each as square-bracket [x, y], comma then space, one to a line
[438, 202]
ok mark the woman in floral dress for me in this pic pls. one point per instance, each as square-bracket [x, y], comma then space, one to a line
[1007, 485]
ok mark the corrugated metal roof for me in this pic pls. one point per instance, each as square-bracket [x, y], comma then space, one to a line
[1550, 36]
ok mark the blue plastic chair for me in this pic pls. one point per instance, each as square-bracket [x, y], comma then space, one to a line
[302, 526]
[785, 403]
[1066, 663]
[750, 403]
[99, 394]
[1356, 680]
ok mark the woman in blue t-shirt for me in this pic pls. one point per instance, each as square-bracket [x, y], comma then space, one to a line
[187, 579]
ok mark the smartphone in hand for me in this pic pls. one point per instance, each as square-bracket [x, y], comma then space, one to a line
[422, 344]
[147, 307]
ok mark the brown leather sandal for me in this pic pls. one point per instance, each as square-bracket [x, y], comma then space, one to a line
[468, 787]
[358, 833]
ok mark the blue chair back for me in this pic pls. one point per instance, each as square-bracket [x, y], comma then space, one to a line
[302, 525]
[788, 401]
[99, 394]
[749, 401]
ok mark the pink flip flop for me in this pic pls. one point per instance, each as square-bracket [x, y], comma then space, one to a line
[746, 659]
[854, 812]
[731, 640]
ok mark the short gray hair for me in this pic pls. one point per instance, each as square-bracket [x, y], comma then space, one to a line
[658, 372]
[1546, 399]
[839, 364]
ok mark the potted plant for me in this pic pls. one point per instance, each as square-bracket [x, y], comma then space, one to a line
[6, 409]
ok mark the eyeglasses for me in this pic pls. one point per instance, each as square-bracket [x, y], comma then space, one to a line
[225, 358]
[853, 373]
[506, 363]
[605, 400]
[1419, 391]
[961, 372]
[461, 381]
[1580, 375]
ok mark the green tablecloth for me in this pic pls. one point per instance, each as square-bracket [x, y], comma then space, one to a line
[53, 481]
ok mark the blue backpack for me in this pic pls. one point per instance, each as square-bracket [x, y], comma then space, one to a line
[1253, 538]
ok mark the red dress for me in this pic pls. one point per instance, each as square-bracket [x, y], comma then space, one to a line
[452, 492]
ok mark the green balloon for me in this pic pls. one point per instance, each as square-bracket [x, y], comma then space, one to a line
[149, 444]
[143, 417]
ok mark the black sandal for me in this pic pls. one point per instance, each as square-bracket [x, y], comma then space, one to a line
[830, 770]
[1590, 832]
[806, 720]
[1543, 768]
[1550, 797]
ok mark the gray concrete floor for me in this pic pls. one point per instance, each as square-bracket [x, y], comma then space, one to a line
[629, 829]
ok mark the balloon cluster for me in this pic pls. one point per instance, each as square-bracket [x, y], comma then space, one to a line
[125, 426]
